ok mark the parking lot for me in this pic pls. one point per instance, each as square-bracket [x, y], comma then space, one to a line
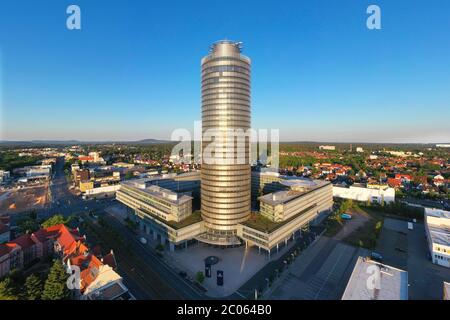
[408, 250]
[320, 273]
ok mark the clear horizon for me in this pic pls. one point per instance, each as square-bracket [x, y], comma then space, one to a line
[133, 72]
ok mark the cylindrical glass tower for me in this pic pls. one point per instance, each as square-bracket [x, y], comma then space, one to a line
[225, 188]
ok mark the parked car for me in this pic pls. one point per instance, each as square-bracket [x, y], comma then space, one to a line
[376, 256]
[346, 216]
[143, 240]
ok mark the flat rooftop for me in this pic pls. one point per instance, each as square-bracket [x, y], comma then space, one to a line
[158, 192]
[301, 186]
[137, 183]
[393, 284]
[439, 233]
[194, 218]
[437, 213]
[263, 224]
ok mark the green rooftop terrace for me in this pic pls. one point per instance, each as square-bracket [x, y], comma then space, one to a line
[263, 224]
[195, 217]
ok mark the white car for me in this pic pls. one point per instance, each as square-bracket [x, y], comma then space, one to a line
[143, 240]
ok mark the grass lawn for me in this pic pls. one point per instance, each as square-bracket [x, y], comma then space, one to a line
[333, 225]
[367, 235]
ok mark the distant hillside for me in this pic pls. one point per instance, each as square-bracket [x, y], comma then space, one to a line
[151, 141]
[76, 142]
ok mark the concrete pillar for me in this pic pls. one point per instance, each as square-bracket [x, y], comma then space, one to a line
[285, 242]
[148, 230]
[259, 250]
[185, 244]
[155, 235]
[172, 246]
[269, 254]
[163, 240]
[293, 235]
[277, 247]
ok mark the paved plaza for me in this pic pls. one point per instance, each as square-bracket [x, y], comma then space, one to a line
[239, 265]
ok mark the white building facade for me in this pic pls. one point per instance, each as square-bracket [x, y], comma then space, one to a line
[437, 225]
[377, 194]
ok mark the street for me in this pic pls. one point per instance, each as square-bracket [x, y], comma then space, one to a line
[65, 203]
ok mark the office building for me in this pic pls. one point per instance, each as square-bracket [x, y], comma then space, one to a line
[264, 182]
[162, 205]
[164, 214]
[283, 214]
[225, 188]
[81, 175]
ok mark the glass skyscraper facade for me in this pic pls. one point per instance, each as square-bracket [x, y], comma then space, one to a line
[225, 187]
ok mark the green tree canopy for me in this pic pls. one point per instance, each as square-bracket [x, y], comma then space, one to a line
[55, 220]
[55, 287]
[7, 290]
[33, 287]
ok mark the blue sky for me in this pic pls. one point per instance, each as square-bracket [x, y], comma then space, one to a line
[318, 74]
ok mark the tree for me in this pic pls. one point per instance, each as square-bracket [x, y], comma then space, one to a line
[55, 220]
[200, 277]
[129, 175]
[55, 287]
[7, 290]
[27, 225]
[33, 287]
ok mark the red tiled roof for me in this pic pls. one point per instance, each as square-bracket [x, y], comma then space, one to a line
[86, 158]
[89, 274]
[6, 248]
[24, 241]
[69, 240]
[394, 182]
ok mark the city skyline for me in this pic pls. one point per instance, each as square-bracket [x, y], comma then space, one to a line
[318, 74]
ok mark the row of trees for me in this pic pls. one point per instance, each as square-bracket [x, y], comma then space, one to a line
[34, 287]
[31, 223]
[11, 160]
